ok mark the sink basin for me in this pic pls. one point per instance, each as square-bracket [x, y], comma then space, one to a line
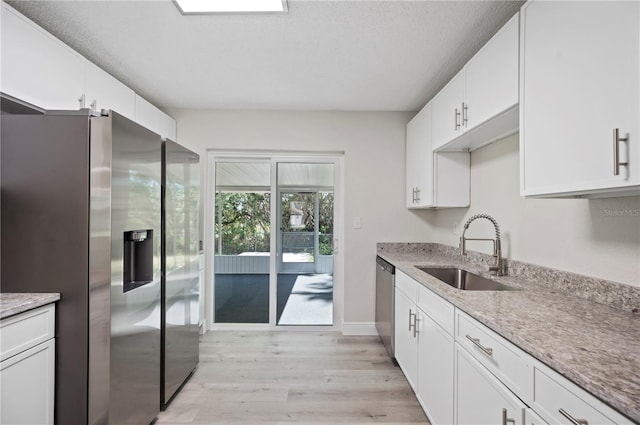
[462, 279]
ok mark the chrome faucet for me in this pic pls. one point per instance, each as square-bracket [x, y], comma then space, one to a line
[497, 249]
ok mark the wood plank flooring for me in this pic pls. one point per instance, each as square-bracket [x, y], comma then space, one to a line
[306, 378]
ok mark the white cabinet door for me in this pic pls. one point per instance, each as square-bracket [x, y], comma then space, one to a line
[146, 114]
[27, 386]
[433, 179]
[580, 81]
[105, 92]
[479, 105]
[36, 67]
[480, 398]
[154, 119]
[406, 342]
[447, 111]
[435, 371]
[419, 161]
[167, 126]
[492, 77]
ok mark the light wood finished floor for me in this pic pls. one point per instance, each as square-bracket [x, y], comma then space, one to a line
[310, 378]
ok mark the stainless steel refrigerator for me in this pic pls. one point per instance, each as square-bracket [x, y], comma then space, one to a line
[180, 268]
[81, 216]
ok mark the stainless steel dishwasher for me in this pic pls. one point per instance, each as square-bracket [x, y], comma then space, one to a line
[385, 299]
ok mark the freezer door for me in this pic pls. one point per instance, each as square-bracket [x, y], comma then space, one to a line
[135, 277]
[180, 314]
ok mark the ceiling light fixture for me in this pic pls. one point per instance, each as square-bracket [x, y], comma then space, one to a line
[190, 7]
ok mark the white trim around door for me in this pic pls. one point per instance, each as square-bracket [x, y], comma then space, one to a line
[275, 158]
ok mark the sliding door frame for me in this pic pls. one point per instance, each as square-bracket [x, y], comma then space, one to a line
[335, 158]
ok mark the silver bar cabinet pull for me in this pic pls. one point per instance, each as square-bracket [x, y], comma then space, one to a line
[415, 326]
[476, 342]
[465, 119]
[573, 420]
[456, 115]
[616, 151]
[414, 322]
[506, 420]
[417, 194]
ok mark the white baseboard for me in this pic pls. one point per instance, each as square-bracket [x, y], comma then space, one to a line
[359, 328]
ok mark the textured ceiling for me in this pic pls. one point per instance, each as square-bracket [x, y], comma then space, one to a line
[322, 55]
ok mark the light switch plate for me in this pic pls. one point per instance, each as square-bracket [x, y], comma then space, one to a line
[357, 222]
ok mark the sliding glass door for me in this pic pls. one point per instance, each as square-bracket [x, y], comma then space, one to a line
[274, 241]
[242, 242]
[305, 243]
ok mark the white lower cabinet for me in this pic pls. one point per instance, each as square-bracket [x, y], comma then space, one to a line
[26, 392]
[480, 397]
[435, 370]
[559, 401]
[424, 346]
[466, 374]
[406, 336]
[27, 369]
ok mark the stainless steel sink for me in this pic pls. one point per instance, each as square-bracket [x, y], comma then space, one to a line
[462, 279]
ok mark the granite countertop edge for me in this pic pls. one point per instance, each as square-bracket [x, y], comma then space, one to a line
[587, 339]
[12, 303]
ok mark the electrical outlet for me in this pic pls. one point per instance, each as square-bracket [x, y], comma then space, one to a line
[357, 222]
[456, 228]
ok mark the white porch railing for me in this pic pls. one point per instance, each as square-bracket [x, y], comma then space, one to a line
[258, 263]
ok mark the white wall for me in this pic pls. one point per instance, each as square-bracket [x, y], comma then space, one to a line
[599, 238]
[373, 146]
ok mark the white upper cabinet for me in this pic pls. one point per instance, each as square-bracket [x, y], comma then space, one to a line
[105, 92]
[479, 105]
[154, 119]
[146, 114]
[39, 69]
[447, 111]
[418, 160]
[433, 179]
[492, 77]
[36, 67]
[579, 84]
[167, 126]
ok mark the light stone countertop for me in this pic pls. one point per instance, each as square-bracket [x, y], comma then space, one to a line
[15, 303]
[593, 345]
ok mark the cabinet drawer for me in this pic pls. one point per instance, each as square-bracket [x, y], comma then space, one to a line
[20, 332]
[507, 362]
[441, 311]
[552, 393]
[407, 285]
